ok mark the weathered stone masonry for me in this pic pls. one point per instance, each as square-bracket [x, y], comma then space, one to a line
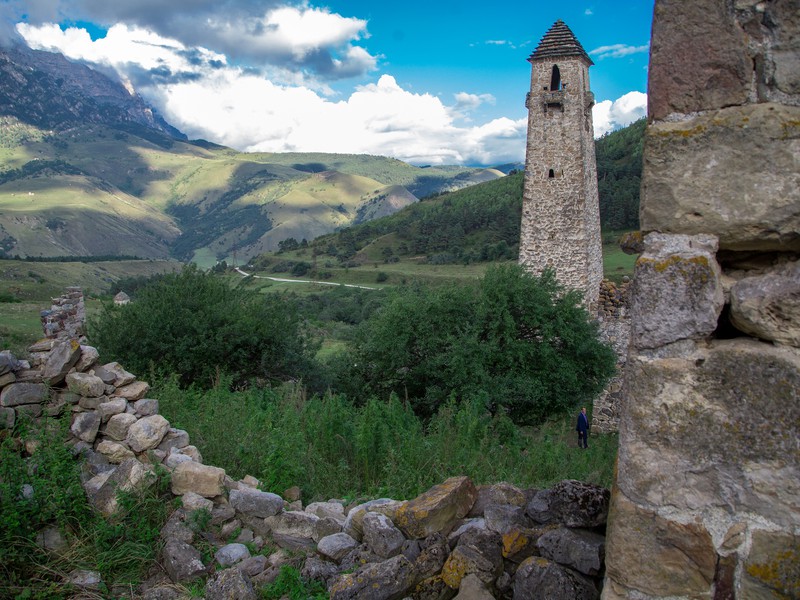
[560, 209]
[706, 502]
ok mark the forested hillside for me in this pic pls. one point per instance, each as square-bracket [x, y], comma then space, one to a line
[481, 223]
[619, 175]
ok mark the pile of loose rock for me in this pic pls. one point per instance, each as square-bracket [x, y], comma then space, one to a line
[455, 540]
[613, 298]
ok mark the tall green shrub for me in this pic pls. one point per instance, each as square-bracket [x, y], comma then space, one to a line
[196, 325]
[513, 339]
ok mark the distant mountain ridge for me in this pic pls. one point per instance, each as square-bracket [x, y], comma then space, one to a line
[47, 90]
[87, 168]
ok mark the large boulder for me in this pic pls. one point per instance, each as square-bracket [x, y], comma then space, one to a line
[133, 391]
[147, 433]
[230, 554]
[768, 306]
[438, 509]
[17, 394]
[293, 530]
[388, 580]
[255, 503]
[106, 410]
[503, 518]
[146, 407]
[472, 588]
[499, 493]
[7, 417]
[182, 562]
[85, 426]
[113, 374]
[205, 480]
[573, 503]
[334, 510]
[8, 363]
[355, 517]
[118, 426]
[128, 476]
[478, 552]
[89, 356]
[538, 577]
[60, 360]
[115, 452]
[381, 536]
[175, 438]
[578, 549]
[85, 385]
[336, 546]
[230, 584]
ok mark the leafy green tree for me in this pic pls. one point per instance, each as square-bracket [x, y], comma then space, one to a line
[196, 325]
[517, 341]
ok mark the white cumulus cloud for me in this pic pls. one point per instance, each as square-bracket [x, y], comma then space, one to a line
[206, 95]
[609, 115]
[617, 51]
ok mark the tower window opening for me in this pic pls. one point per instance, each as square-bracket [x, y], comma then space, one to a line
[555, 79]
[551, 174]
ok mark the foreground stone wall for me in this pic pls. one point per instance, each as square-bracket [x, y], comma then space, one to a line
[706, 502]
[456, 540]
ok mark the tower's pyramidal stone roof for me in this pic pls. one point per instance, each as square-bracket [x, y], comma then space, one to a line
[557, 42]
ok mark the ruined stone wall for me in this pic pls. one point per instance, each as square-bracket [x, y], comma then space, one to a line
[560, 214]
[66, 317]
[706, 502]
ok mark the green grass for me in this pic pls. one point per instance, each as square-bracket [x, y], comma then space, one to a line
[19, 326]
[333, 448]
[122, 549]
[616, 264]
[34, 284]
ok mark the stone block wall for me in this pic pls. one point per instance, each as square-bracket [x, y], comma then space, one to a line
[66, 317]
[706, 502]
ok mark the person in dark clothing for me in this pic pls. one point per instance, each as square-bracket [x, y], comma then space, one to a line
[583, 429]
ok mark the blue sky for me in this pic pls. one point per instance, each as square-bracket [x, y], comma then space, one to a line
[437, 82]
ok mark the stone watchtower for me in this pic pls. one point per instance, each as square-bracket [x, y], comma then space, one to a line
[560, 208]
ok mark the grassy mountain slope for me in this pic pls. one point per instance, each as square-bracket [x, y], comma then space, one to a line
[482, 222]
[420, 181]
[138, 188]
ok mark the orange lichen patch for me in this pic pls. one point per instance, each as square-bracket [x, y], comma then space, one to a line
[695, 268]
[436, 509]
[514, 542]
[679, 133]
[454, 570]
[782, 574]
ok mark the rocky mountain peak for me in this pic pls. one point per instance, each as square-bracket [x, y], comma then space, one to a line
[48, 90]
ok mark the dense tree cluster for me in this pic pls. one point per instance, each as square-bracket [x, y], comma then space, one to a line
[619, 176]
[196, 325]
[479, 223]
[482, 222]
[515, 341]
